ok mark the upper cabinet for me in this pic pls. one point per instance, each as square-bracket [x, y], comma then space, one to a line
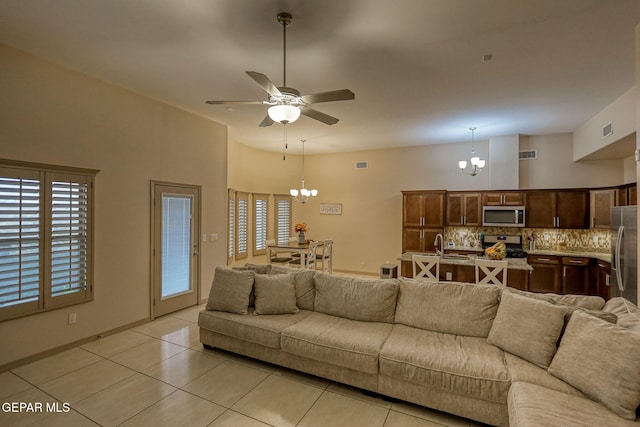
[557, 209]
[464, 209]
[627, 195]
[504, 198]
[600, 205]
[422, 219]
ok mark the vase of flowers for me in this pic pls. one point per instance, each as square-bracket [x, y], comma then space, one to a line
[300, 229]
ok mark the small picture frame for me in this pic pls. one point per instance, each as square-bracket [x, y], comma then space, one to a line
[331, 208]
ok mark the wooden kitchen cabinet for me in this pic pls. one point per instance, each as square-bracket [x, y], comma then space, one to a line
[627, 195]
[601, 286]
[464, 209]
[600, 206]
[557, 209]
[505, 198]
[545, 276]
[422, 219]
[575, 275]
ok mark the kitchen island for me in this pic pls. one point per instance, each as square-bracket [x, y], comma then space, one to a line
[461, 268]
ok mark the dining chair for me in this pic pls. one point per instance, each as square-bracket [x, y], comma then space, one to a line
[491, 269]
[326, 256]
[426, 267]
[276, 257]
[307, 258]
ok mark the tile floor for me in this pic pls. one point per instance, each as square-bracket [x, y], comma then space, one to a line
[158, 374]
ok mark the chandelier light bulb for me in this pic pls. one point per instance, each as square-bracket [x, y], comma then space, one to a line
[294, 192]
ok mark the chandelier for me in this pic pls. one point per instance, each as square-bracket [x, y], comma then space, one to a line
[303, 195]
[476, 163]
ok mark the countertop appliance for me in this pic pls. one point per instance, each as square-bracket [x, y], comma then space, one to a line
[624, 252]
[503, 216]
[512, 243]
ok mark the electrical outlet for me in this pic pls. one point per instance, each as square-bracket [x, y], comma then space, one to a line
[449, 275]
[71, 318]
[213, 237]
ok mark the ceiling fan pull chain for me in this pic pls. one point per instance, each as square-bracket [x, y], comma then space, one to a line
[284, 149]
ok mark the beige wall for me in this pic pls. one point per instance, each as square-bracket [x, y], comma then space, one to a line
[52, 115]
[368, 233]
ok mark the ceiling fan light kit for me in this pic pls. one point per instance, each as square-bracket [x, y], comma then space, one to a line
[286, 103]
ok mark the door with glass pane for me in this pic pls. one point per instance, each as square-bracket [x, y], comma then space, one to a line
[175, 247]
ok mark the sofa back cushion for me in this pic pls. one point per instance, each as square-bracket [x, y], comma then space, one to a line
[587, 302]
[356, 299]
[601, 360]
[452, 308]
[305, 288]
[628, 313]
[230, 290]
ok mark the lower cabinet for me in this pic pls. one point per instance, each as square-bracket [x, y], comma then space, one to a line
[545, 276]
[602, 284]
[575, 275]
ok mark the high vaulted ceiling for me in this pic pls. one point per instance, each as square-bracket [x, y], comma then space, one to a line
[416, 66]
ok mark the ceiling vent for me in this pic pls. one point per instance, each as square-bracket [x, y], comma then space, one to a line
[362, 165]
[528, 155]
[607, 130]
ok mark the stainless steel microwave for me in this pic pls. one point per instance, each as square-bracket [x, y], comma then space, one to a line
[503, 216]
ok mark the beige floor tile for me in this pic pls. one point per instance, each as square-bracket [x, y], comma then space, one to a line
[430, 414]
[68, 419]
[278, 401]
[29, 415]
[189, 314]
[189, 336]
[148, 354]
[116, 343]
[11, 384]
[121, 401]
[233, 419]
[337, 410]
[177, 409]
[398, 419]
[86, 381]
[184, 367]
[226, 383]
[248, 361]
[51, 367]
[357, 393]
[308, 379]
[162, 326]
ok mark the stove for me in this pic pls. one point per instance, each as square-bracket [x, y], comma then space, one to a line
[513, 244]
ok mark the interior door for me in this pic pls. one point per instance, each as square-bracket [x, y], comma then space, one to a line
[175, 247]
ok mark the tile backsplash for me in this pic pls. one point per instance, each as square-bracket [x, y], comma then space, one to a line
[546, 238]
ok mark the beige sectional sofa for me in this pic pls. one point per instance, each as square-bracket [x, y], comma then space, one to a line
[498, 356]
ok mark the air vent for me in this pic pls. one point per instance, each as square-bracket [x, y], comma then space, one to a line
[528, 155]
[362, 165]
[607, 130]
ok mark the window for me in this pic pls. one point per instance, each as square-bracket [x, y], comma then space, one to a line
[283, 218]
[260, 207]
[46, 227]
[242, 205]
[231, 208]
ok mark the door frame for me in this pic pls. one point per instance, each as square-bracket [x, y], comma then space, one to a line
[196, 258]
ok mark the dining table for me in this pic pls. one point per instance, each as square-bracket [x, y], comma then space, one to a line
[293, 246]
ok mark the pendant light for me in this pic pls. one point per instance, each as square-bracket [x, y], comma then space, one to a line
[476, 163]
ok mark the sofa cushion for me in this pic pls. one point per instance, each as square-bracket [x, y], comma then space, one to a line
[305, 288]
[628, 314]
[527, 327]
[454, 308]
[527, 372]
[587, 302]
[275, 294]
[462, 365]
[264, 330]
[338, 341]
[601, 360]
[531, 405]
[230, 290]
[356, 299]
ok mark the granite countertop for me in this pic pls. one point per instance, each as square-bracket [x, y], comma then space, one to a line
[602, 256]
[512, 263]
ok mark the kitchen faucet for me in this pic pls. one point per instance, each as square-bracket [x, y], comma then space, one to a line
[439, 249]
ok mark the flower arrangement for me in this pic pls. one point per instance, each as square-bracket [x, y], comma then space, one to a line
[300, 227]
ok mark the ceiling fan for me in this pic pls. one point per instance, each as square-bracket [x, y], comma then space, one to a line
[286, 103]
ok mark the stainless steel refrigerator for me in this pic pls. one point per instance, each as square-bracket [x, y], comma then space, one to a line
[624, 253]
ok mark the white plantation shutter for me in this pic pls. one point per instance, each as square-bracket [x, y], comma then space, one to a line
[260, 208]
[242, 205]
[283, 218]
[232, 225]
[45, 238]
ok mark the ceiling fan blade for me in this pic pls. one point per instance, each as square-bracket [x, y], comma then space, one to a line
[334, 95]
[237, 102]
[264, 82]
[266, 122]
[317, 115]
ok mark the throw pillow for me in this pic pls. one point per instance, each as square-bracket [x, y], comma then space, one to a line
[601, 360]
[275, 294]
[527, 327]
[230, 290]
